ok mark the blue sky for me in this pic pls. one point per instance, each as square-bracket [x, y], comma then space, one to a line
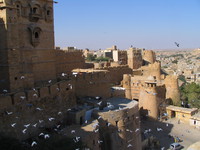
[150, 24]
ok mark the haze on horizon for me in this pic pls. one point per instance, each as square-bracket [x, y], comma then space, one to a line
[150, 24]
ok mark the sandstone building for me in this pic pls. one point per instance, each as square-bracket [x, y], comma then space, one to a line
[40, 81]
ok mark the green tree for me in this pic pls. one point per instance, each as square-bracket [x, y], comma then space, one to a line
[90, 57]
[191, 93]
[101, 58]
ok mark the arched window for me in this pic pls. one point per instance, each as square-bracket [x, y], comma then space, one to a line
[36, 35]
[35, 10]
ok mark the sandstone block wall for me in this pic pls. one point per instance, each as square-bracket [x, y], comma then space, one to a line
[149, 56]
[116, 73]
[124, 128]
[134, 58]
[93, 84]
[67, 61]
[152, 70]
[172, 89]
[26, 108]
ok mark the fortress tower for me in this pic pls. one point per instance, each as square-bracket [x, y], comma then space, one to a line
[149, 56]
[148, 102]
[172, 89]
[127, 85]
[27, 55]
[134, 58]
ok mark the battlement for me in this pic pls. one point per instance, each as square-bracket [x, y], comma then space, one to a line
[66, 52]
[36, 94]
[149, 56]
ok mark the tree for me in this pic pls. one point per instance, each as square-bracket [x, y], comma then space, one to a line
[190, 93]
[90, 57]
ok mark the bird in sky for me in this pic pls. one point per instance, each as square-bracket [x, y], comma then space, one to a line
[40, 121]
[99, 103]
[27, 125]
[13, 125]
[120, 108]
[73, 131]
[38, 109]
[24, 131]
[51, 119]
[59, 113]
[22, 97]
[35, 95]
[9, 113]
[33, 143]
[35, 125]
[63, 74]
[5, 91]
[77, 138]
[159, 129]
[100, 141]
[41, 134]
[129, 145]
[46, 136]
[176, 44]
[137, 130]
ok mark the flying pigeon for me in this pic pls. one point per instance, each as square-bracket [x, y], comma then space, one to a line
[27, 125]
[33, 143]
[51, 119]
[176, 44]
[46, 136]
[24, 131]
[13, 125]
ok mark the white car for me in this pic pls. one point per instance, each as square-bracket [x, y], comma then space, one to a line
[176, 146]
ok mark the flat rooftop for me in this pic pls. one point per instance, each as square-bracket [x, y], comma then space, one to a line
[119, 103]
[181, 109]
[196, 116]
[87, 70]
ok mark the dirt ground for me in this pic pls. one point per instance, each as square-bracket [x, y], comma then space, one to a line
[170, 128]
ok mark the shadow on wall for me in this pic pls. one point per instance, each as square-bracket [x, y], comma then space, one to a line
[156, 134]
[4, 77]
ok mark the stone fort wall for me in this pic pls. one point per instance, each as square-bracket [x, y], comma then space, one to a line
[123, 128]
[23, 108]
[67, 61]
[116, 73]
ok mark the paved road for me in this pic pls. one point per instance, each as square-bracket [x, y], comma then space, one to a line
[187, 133]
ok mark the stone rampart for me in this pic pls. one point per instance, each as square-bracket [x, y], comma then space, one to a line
[35, 107]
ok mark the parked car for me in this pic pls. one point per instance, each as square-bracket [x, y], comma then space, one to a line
[176, 146]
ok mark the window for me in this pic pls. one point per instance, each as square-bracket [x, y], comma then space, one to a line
[36, 35]
[35, 10]
[18, 10]
[48, 12]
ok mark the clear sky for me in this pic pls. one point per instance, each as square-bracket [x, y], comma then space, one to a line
[150, 24]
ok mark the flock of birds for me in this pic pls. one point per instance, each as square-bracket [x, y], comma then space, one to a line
[46, 136]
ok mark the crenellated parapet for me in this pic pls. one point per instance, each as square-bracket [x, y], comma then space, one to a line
[149, 56]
